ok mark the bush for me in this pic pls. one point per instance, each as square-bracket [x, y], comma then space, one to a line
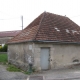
[4, 48]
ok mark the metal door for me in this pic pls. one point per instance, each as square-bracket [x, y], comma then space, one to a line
[44, 58]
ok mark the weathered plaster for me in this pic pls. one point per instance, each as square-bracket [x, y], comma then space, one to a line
[61, 55]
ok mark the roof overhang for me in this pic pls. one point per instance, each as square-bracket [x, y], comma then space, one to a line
[45, 41]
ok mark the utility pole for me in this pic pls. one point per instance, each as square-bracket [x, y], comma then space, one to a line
[22, 21]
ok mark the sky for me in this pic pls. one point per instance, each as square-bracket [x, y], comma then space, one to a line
[12, 10]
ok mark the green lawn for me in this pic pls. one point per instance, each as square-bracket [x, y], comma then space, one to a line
[3, 58]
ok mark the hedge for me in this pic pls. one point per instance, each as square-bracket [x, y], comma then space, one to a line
[4, 48]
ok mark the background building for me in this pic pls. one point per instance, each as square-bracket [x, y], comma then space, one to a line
[7, 35]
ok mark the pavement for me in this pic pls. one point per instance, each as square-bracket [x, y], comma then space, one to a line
[6, 75]
[58, 74]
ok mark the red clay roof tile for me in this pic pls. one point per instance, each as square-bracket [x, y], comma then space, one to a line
[50, 27]
[9, 33]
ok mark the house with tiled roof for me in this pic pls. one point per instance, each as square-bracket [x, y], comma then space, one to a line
[52, 41]
[7, 35]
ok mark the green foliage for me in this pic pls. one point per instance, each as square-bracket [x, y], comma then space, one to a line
[13, 68]
[3, 58]
[33, 69]
[27, 72]
[4, 48]
[1, 49]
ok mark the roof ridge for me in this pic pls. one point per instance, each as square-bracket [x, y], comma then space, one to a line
[39, 25]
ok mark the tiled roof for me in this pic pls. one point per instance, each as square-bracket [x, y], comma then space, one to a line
[50, 27]
[9, 33]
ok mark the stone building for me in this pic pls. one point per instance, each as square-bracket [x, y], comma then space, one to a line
[53, 42]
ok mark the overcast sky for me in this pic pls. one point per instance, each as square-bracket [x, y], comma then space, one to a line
[11, 11]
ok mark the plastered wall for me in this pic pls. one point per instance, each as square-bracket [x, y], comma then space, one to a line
[61, 55]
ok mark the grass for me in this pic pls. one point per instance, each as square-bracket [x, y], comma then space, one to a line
[3, 58]
[27, 72]
[10, 67]
[13, 68]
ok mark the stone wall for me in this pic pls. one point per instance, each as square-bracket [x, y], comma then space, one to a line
[18, 54]
[61, 55]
